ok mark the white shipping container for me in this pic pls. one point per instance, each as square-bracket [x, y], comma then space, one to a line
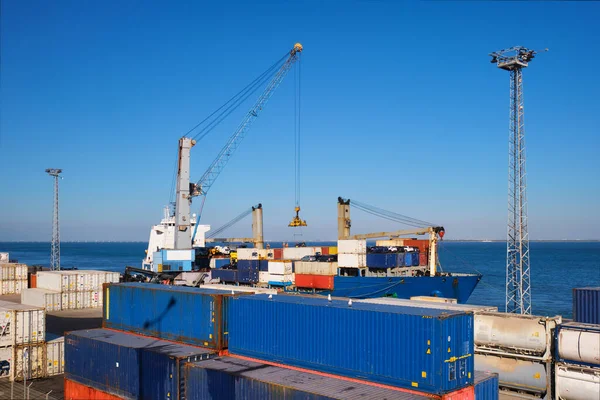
[263, 277]
[55, 356]
[96, 299]
[7, 271]
[28, 361]
[505, 333]
[6, 354]
[21, 271]
[316, 268]
[281, 278]
[428, 304]
[352, 246]
[280, 267]
[21, 324]
[4, 257]
[52, 280]
[69, 300]
[248, 254]
[579, 345]
[20, 285]
[576, 383]
[44, 298]
[296, 253]
[352, 260]
[434, 299]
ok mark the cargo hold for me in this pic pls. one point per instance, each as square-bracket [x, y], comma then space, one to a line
[438, 363]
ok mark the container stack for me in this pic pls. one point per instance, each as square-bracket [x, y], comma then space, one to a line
[280, 273]
[315, 274]
[13, 277]
[22, 341]
[352, 253]
[577, 368]
[68, 290]
[519, 349]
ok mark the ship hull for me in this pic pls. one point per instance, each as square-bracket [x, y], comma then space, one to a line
[458, 286]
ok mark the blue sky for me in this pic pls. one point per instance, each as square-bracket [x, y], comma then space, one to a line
[401, 108]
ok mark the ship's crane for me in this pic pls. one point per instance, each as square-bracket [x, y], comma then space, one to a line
[257, 228]
[186, 190]
[420, 227]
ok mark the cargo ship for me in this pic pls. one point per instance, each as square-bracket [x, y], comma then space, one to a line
[397, 265]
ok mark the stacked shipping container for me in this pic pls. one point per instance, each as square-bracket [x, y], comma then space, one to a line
[77, 289]
[586, 305]
[577, 370]
[13, 277]
[437, 363]
[280, 273]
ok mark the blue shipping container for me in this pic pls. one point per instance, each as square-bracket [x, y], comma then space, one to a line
[383, 260]
[233, 378]
[183, 314]
[429, 350]
[586, 305]
[486, 386]
[408, 259]
[225, 275]
[414, 258]
[124, 364]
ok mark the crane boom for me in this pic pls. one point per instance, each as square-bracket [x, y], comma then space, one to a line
[215, 168]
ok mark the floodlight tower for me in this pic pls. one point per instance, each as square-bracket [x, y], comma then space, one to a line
[518, 288]
[55, 252]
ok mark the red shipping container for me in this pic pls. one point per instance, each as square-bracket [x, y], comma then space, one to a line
[422, 245]
[77, 391]
[277, 254]
[314, 281]
[467, 393]
[325, 250]
[423, 258]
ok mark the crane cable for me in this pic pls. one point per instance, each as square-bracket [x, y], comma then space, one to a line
[297, 109]
[230, 223]
[226, 109]
[389, 215]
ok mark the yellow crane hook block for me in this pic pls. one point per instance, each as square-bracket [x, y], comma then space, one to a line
[296, 221]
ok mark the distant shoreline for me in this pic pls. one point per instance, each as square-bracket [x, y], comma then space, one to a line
[329, 241]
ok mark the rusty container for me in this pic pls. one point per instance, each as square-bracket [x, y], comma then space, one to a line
[78, 391]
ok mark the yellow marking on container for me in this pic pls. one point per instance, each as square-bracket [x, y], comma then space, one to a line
[428, 351]
[414, 384]
[210, 336]
[452, 359]
[469, 375]
[423, 374]
[536, 334]
[206, 343]
[428, 342]
[448, 349]
[537, 375]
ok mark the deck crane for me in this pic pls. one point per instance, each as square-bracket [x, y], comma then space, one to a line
[419, 227]
[257, 228]
[186, 190]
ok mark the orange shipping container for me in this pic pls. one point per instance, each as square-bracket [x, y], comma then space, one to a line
[422, 245]
[467, 393]
[277, 254]
[423, 258]
[325, 251]
[77, 391]
[314, 281]
[32, 280]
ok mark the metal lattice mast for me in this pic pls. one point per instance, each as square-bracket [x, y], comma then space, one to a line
[55, 247]
[518, 287]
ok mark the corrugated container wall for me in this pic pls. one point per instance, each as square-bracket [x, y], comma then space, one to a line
[233, 378]
[55, 356]
[28, 361]
[438, 362]
[43, 298]
[586, 305]
[21, 324]
[183, 314]
[124, 364]
[77, 391]
[486, 386]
